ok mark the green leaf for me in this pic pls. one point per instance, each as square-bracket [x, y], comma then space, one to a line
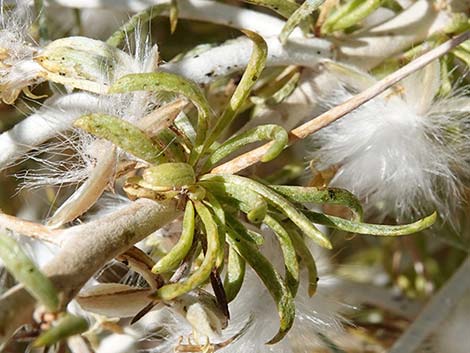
[235, 274]
[198, 277]
[123, 134]
[240, 229]
[164, 81]
[26, 272]
[248, 201]
[82, 63]
[252, 72]
[280, 94]
[463, 55]
[371, 229]
[183, 124]
[68, 325]
[219, 213]
[139, 19]
[350, 14]
[298, 16]
[288, 251]
[271, 279]
[283, 7]
[306, 257]
[174, 257]
[264, 132]
[333, 196]
[276, 200]
[174, 12]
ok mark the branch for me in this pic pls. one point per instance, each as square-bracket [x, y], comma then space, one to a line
[29, 229]
[84, 250]
[233, 56]
[254, 156]
[435, 311]
[200, 10]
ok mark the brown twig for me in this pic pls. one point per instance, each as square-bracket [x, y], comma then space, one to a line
[254, 156]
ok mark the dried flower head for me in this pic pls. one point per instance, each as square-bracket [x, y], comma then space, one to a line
[405, 152]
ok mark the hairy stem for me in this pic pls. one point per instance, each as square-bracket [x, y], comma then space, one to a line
[84, 250]
[234, 55]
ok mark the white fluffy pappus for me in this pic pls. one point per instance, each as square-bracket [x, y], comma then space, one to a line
[72, 156]
[14, 25]
[17, 68]
[404, 153]
[59, 112]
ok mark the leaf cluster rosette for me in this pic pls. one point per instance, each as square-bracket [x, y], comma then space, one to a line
[220, 210]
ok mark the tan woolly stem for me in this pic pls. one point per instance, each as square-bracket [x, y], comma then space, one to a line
[84, 250]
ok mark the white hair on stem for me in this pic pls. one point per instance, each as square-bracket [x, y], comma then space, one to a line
[94, 161]
[405, 152]
[17, 68]
[233, 56]
[67, 160]
[55, 117]
[14, 25]
[131, 107]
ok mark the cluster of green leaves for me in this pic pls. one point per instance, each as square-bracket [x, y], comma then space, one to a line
[219, 207]
[220, 210]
